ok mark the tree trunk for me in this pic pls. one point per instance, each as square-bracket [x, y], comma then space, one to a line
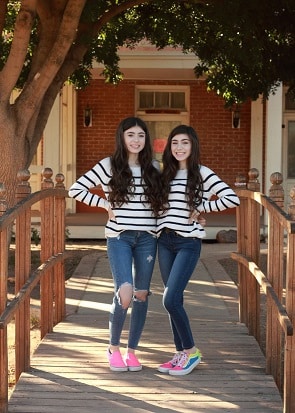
[14, 159]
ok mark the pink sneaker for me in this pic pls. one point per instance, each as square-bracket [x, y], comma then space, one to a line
[132, 362]
[165, 367]
[116, 361]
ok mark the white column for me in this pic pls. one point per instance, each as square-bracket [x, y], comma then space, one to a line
[256, 146]
[51, 151]
[274, 121]
[68, 138]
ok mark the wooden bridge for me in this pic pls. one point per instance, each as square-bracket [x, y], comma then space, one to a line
[69, 371]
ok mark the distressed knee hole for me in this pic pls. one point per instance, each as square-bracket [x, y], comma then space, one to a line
[125, 295]
[140, 295]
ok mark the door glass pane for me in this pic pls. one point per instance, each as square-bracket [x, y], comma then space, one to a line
[159, 131]
[291, 149]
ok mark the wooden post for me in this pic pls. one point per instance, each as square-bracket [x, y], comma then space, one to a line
[275, 268]
[276, 191]
[59, 246]
[289, 372]
[253, 183]
[253, 252]
[241, 219]
[47, 235]
[3, 301]
[22, 273]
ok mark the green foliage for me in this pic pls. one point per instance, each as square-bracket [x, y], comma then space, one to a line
[250, 49]
[244, 48]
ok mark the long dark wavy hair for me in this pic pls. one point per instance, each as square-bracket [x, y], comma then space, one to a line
[122, 183]
[194, 186]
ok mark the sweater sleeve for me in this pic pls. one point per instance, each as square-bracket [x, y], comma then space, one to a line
[224, 196]
[98, 175]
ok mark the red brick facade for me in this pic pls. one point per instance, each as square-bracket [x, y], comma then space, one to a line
[224, 149]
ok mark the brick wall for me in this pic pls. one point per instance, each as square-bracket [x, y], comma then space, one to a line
[224, 149]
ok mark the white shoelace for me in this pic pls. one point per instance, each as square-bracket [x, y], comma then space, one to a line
[175, 359]
[182, 359]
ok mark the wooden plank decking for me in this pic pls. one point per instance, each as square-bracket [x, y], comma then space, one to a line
[69, 372]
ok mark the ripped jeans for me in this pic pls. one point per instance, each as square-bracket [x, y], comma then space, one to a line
[132, 258]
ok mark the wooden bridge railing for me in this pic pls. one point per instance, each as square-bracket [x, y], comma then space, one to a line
[278, 283]
[50, 273]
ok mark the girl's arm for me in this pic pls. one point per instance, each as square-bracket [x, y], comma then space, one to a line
[224, 196]
[80, 190]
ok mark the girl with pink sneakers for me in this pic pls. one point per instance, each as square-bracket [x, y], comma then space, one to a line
[130, 181]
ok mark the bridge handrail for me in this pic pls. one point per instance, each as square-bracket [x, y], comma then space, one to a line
[267, 202]
[8, 314]
[50, 273]
[284, 319]
[12, 213]
[277, 283]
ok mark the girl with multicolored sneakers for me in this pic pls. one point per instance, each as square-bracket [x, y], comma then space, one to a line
[130, 181]
[188, 188]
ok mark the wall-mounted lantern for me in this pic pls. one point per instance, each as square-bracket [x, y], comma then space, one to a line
[236, 118]
[87, 117]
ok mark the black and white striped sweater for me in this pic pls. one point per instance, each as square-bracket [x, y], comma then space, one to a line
[134, 215]
[177, 216]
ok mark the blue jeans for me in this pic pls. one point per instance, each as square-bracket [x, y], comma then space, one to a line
[132, 258]
[178, 257]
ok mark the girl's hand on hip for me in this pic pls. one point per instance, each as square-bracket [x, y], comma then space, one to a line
[111, 214]
[197, 217]
[202, 220]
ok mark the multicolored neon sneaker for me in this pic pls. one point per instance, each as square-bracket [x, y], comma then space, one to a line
[165, 367]
[116, 361]
[186, 363]
[132, 362]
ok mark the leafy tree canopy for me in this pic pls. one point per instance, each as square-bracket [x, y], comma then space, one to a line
[245, 48]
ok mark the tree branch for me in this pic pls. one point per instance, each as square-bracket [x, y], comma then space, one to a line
[19, 47]
[3, 10]
[115, 10]
[34, 91]
[79, 49]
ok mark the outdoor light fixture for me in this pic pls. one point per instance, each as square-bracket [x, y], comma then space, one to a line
[87, 117]
[236, 118]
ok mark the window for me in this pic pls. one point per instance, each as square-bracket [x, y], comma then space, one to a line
[161, 100]
[289, 101]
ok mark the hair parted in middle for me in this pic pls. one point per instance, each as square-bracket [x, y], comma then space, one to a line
[122, 183]
[194, 187]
